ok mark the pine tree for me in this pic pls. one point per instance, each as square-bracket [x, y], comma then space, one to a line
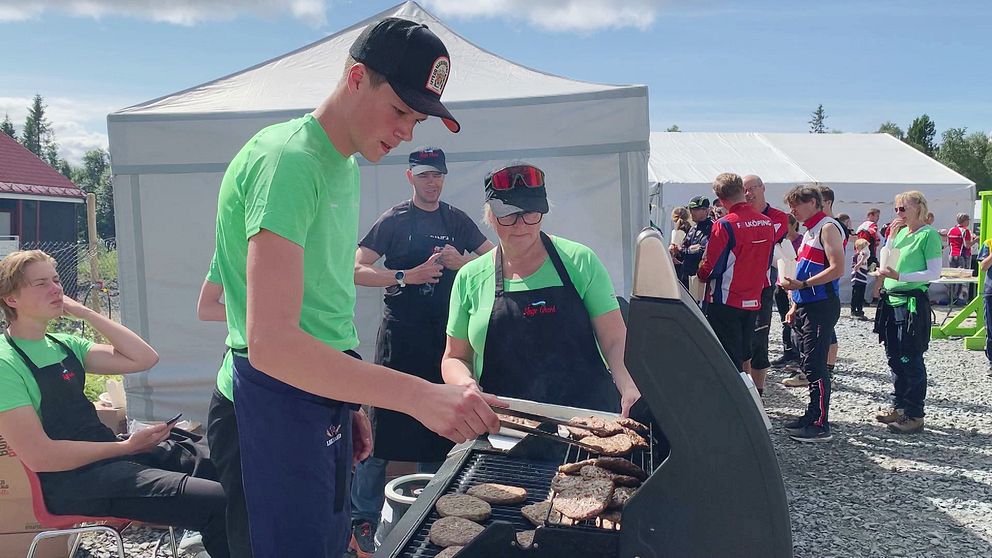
[36, 128]
[7, 126]
[891, 128]
[817, 124]
[921, 135]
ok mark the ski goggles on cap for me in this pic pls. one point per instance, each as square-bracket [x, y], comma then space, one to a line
[508, 178]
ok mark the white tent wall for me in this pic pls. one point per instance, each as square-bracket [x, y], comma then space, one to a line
[864, 171]
[169, 156]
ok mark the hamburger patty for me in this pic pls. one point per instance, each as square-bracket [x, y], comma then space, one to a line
[537, 513]
[454, 531]
[574, 468]
[616, 445]
[620, 466]
[620, 496]
[463, 505]
[584, 499]
[632, 424]
[449, 552]
[525, 538]
[498, 493]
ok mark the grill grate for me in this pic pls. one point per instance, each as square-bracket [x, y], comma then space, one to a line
[535, 476]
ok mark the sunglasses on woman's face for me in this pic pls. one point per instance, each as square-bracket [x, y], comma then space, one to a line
[529, 218]
[509, 177]
[900, 209]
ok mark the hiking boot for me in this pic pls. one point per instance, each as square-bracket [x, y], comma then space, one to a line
[797, 380]
[362, 538]
[907, 425]
[812, 434]
[783, 360]
[888, 416]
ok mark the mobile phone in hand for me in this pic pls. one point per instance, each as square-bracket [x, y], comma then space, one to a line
[174, 419]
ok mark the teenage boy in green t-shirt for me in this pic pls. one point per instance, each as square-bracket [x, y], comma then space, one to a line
[287, 226]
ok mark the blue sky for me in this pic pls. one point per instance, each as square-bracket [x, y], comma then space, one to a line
[710, 65]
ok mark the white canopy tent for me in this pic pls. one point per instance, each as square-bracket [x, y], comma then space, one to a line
[864, 171]
[169, 155]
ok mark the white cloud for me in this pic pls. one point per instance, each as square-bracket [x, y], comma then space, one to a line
[179, 12]
[79, 125]
[556, 15]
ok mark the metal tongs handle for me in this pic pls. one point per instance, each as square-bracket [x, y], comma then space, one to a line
[548, 435]
[539, 418]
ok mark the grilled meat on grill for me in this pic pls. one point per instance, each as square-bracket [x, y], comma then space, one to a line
[454, 531]
[463, 505]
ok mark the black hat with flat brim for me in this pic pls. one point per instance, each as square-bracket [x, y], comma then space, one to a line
[412, 59]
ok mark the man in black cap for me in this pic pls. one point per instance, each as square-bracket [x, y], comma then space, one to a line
[287, 219]
[694, 245]
[424, 242]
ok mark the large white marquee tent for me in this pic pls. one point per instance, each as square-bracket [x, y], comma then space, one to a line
[169, 155]
[864, 171]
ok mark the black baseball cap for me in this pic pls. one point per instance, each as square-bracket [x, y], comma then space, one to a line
[412, 59]
[519, 198]
[699, 202]
[428, 159]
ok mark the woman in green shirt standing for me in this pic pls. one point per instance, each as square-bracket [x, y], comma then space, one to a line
[535, 318]
[903, 320]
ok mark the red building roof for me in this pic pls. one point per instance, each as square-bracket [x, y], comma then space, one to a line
[22, 172]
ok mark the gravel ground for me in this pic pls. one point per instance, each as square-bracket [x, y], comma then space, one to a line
[868, 493]
[139, 542]
[872, 493]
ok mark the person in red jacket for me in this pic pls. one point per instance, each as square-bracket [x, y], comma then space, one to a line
[757, 366]
[735, 267]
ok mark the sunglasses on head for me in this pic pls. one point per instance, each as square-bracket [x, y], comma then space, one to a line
[508, 178]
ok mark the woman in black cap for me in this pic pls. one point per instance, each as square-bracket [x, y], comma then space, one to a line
[536, 319]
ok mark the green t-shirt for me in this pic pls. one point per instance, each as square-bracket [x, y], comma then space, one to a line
[290, 180]
[914, 251]
[474, 291]
[225, 376]
[18, 387]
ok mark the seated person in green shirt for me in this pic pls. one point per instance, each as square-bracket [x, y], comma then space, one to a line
[152, 476]
[903, 319]
[536, 318]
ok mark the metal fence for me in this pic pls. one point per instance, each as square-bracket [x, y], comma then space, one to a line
[88, 274]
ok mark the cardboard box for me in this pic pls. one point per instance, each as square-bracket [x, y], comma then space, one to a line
[114, 418]
[16, 513]
[15, 545]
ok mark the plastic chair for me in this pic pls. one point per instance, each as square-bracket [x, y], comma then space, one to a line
[66, 525]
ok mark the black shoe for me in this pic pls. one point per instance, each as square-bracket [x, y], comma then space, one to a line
[812, 434]
[797, 424]
[783, 360]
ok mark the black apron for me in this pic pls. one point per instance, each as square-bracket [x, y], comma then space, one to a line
[411, 339]
[541, 345]
[66, 414]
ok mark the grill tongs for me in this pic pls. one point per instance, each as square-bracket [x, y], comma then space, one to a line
[541, 433]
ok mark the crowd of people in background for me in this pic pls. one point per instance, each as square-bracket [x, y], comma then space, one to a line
[728, 254]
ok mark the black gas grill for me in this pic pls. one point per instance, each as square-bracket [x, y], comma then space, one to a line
[714, 488]
[530, 465]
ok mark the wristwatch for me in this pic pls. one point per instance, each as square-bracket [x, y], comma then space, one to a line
[400, 275]
[805, 284]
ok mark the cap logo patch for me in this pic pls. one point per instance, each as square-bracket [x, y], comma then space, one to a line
[439, 75]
